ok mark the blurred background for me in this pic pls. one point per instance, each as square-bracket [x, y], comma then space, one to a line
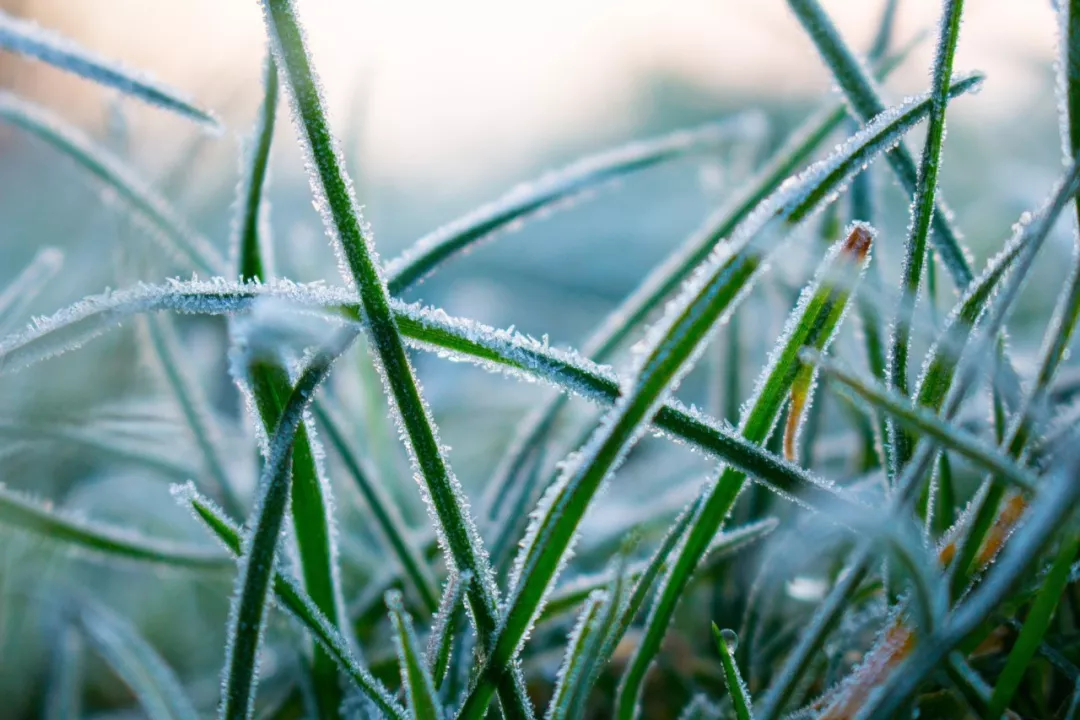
[439, 107]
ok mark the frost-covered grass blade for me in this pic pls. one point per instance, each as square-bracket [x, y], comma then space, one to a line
[27, 38]
[135, 661]
[419, 687]
[179, 237]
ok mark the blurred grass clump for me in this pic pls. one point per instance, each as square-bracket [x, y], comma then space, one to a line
[799, 445]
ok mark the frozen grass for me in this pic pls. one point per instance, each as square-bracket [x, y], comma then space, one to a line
[902, 555]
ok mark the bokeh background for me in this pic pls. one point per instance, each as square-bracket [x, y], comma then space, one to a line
[440, 106]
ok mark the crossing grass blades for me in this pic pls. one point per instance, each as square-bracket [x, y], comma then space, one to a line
[929, 595]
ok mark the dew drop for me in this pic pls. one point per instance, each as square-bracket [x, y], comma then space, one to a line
[730, 639]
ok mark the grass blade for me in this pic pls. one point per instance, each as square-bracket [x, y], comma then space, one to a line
[923, 210]
[427, 330]
[726, 643]
[251, 230]
[1035, 626]
[63, 699]
[135, 661]
[444, 629]
[252, 596]
[813, 323]
[114, 173]
[343, 221]
[27, 284]
[313, 523]
[419, 687]
[584, 634]
[549, 190]
[1068, 80]
[194, 407]
[27, 38]
[103, 541]
[292, 598]
[862, 93]
[666, 278]
[947, 434]
[393, 528]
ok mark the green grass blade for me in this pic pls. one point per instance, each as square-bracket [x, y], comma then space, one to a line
[252, 596]
[251, 230]
[313, 524]
[393, 528]
[423, 702]
[27, 38]
[102, 541]
[556, 187]
[584, 633]
[726, 643]
[813, 323]
[293, 599]
[25, 286]
[1036, 624]
[427, 330]
[444, 629]
[947, 434]
[114, 173]
[343, 220]
[269, 385]
[135, 661]
[661, 282]
[922, 212]
[63, 699]
[1068, 80]
[862, 93]
[193, 406]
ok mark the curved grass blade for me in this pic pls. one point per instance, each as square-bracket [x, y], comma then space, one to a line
[252, 229]
[922, 212]
[726, 643]
[341, 215]
[557, 186]
[387, 517]
[946, 434]
[1035, 626]
[426, 330]
[63, 699]
[114, 173]
[252, 596]
[666, 278]
[27, 284]
[27, 38]
[194, 408]
[423, 702]
[813, 323]
[445, 628]
[861, 91]
[581, 637]
[101, 540]
[135, 661]
[293, 599]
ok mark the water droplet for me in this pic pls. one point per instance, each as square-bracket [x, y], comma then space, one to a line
[730, 639]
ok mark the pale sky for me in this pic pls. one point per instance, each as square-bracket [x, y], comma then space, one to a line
[471, 88]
